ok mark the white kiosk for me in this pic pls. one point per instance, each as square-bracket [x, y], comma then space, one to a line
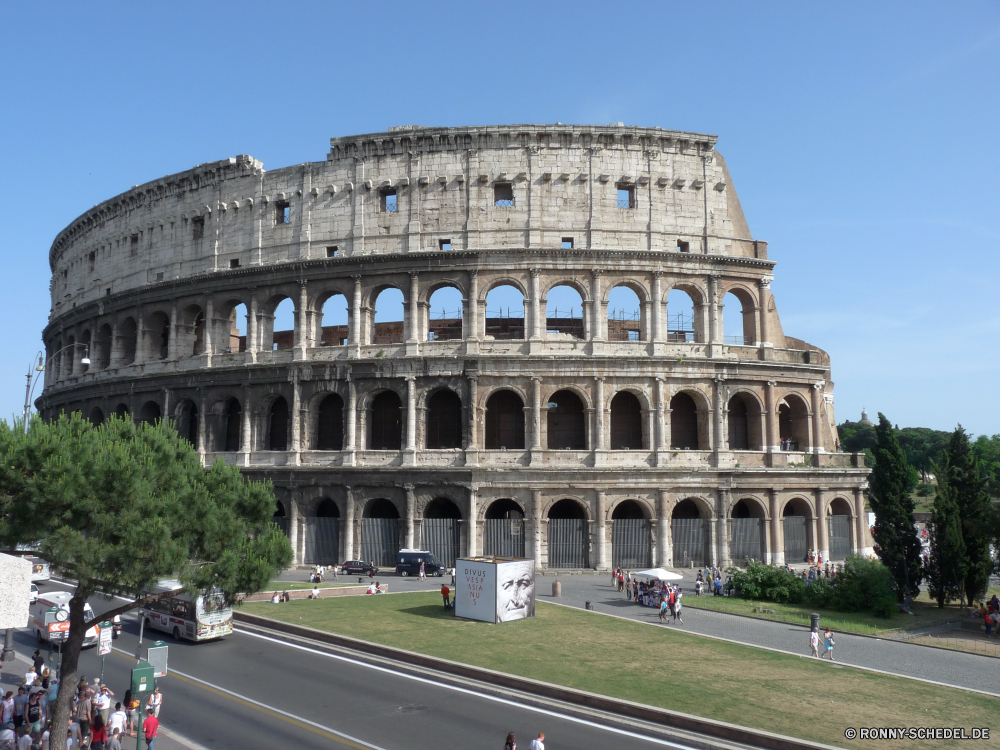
[494, 589]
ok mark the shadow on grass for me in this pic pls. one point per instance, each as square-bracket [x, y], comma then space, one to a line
[434, 612]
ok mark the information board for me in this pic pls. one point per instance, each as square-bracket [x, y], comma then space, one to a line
[494, 589]
[104, 641]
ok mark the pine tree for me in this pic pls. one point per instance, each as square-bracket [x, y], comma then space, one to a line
[964, 474]
[891, 482]
[947, 567]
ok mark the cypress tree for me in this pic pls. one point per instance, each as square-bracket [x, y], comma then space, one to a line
[891, 482]
[946, 568]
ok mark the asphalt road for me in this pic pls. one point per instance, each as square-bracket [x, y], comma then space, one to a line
[245, 691]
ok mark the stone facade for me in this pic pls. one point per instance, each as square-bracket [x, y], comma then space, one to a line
[432, 422]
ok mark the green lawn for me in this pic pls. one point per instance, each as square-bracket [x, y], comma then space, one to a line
[299, 585]
[662, 666]
[925, 614]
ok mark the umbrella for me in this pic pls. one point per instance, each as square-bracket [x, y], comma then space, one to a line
[662, 573]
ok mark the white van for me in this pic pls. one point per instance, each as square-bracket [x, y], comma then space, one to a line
[50, 619]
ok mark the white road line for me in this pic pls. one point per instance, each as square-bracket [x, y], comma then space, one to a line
[555, 714]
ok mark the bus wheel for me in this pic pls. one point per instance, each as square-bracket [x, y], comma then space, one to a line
[404, 573]
[177, 634]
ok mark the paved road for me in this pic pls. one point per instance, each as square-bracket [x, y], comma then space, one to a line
[247, 692]
[906, 659]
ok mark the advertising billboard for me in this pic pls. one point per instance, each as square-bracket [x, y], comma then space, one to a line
[494, 589]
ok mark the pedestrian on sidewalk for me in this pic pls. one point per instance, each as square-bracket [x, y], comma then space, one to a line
[677, 609]
[828, 643]
[150, 728]
[131, 704]
[118, 719]
[423, 573]
[115, 742]
[538, 743]
[155, 701]
[663, 609]
[445, 593]
[38, 660]
[814, 642]
[510, 744]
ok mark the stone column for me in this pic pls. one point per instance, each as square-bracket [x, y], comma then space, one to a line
[293, 526]
[175, 326]
[536, 527]
[817, 414]
[202, 419]
[719, 409]
[252, 325]
[722, 529]
[472, 446]
[247, 440]
[597, 324]
[861, 523]
[209, 339]
[663, 428]
[352, 420]
[823, 543]
[140, 338]
[601, 562]
[411, 421]
[349, 525]
[413, 332]
[713, 309]
[296, 442]
[536, 414]
[770, 423]
[473, 523]
[302, 316]
[777, 532]
[663, 555]
[411, 511]
[656, 321]
[599, 441]
[472, 307]
[536, 314]
[357, 329]
[764, 292]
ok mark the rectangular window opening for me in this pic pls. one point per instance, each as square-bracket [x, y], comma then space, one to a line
[197, 228]
[626, 196]
[331, 251]
[282, 212]
[159, 276]
[683, 247]
[92, 258]
[134, 245]
[107, 292]
[444, 244]
[388, 200]
[503, 195]
[567, 243]
[234, 263]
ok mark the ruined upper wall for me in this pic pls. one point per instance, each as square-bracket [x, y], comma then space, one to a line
[563, 181]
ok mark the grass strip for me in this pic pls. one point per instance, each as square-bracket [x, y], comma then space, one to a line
[796, 696]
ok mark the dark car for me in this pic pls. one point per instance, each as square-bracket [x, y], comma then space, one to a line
[359, 568]
[408, 563]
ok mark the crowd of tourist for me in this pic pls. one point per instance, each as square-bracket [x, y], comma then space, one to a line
[652, 592]
[990, 613]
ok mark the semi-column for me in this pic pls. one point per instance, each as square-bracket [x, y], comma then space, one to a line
[597, 324]
[722, 528]
[536, 413]
[536, 328]
[411, 419]
[472, 307]
[764, 287]
[172, 352]
[302, 316]
[296, 442]
[352, 422]
[202, 419]
[472, 447]
[599, 442]
[536, 526]
[823, 545]
[602, 536]
[719, 407]
[252, 325]
[777, 533]
[473, 525]
[356, 327]
[140, 339]
[413, 334]
[293, 526]
[247, 440]
[411, 509]
[769, 423]
[349, 525]
[657, 318]
[663, 557]
[663, 428]
[861, 523]
[817, 422]
[713, 308]
[209, 339]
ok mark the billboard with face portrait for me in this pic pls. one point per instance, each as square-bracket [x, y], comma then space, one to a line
[494, 589]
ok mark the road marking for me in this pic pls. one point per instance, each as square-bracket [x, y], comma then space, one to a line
[312, 726]
[554, 714]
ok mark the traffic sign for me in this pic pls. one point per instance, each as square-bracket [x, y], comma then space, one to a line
[107, 631]
[156, 655]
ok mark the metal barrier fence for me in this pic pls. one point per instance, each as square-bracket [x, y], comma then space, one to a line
[440, 537]
[748, 539]
[689, 544]
[631, 547]
[567, 543]
[840, 537]
[503, 537]
[321, 540]
[796, 539]
[380, 541]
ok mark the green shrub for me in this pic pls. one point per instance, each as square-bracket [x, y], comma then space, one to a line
[820, 593]
[865, 586]
[761, 581]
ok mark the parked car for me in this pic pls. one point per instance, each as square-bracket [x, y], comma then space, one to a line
[359, 568]
[408, 563]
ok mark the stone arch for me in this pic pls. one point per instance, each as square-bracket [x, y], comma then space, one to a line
[149, 413]
[442, 507]
[272, 310]
[503, 508]
[626, 312]
[689, 421]
[226, 335]
[186, 420]
[739, 327]
[96, 416]
[380, 507]
[568, 533]
[748, 530]
[331, 317]
[326, 508]
[87, 351]
[121, 411]
[568, 507]
[692, 506]
[385, 327]
[128, 337]
[502, 281]
[841, 528]
[748, 506]
[798, 529]
[566, 421]
[102, 347]
[385, 423]
[631, 509]
[227, 416]
[745, 428]
[504, 428]
[685, 317]
[504, 321]
[627, 423]
[191, 333]
[793, 422]
[443, 428]
[329, 435]
[277, 427]
[443, 315]
[157, 335]
[564, 314]
[575, 284]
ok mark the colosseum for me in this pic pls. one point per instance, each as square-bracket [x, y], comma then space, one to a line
[548, 341]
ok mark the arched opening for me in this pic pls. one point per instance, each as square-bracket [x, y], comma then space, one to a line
[739, 319]
[187, 421]
[388, 328]
[127, 334]
[85, 351]
[386, 431]
[277, 425]
[121, 411]
[330, 424]
[102, 347]
[684, 423]
[688, 532]
[564, 313]
[235, 339]
[192, 336]
[53, 361]
[444, 420]
[739, 432]
[444, 315]
[567, 424]
[793, 424]
[278, 324]
[149, 413]
[631, 538]
[567, 535]
[279, 519]
[96, 417]
[626, 422]
[335, 322]
[71, 355]
[158, 336]
[839, 529]
[504, 313]
[380, 533]
[748, 539]
[795, 527]
[504, 421]
[503, 529]
[322, 534]
[625, 318]
[440, 530]
[229, 433]
[682, 326]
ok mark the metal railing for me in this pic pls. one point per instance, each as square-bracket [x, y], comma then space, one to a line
[626, 203]
[738, 340]
[504, 203]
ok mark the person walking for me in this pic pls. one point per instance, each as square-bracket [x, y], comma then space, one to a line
[510, 744]
[84, 712]
[814, 642]
[423, 573]
[155, 701]
[118, 720]
[38, 660]
[114, 743]
[150, 728]
[131, 704]
[538, 743]
[663, 609]
[828, 643]
[677, 609]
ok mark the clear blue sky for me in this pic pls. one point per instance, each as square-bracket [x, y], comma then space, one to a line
[862, 140]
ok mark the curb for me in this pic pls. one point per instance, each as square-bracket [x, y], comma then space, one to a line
[673, 719]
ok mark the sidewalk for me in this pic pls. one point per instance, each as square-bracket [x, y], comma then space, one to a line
[953, 668]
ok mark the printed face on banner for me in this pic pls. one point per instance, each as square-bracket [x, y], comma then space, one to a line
[475, 590]
[515, 590]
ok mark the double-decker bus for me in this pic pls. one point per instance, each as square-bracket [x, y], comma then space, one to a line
[194, 618]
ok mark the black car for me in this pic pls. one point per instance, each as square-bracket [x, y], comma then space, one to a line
[408, 563]
[359, 568]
